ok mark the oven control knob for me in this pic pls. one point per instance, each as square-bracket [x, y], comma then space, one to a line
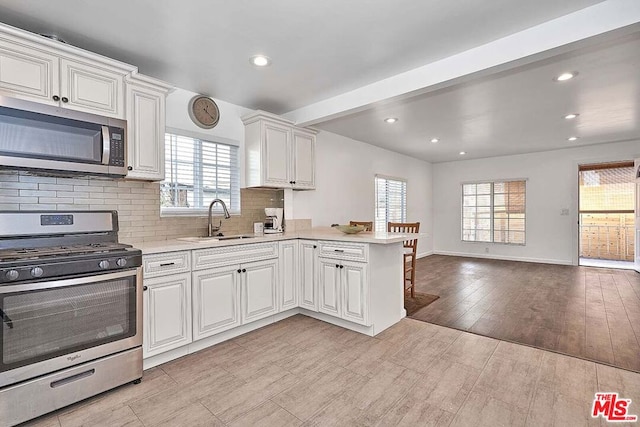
[104, 264]
[12, 274]
[121, 262]
[37, 272]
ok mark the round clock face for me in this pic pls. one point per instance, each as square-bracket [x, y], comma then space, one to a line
[204, 112]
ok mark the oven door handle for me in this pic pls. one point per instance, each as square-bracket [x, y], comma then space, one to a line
[66, 282]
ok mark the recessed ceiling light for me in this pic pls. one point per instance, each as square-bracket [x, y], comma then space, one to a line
[572, 138]
[434, 140]
[566, 76]
[571, 116]
[260, 60]
[391, 120]
[462, 153]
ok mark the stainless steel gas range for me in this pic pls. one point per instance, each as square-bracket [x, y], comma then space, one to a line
[70, 310]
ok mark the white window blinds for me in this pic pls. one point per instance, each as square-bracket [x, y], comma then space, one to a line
[198, 171]
[494, 212]
[391, 201]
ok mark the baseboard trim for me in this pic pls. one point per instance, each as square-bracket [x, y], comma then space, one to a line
[424, 254]
[505, 257]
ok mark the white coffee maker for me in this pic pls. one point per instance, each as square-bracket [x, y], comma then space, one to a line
[273, 222]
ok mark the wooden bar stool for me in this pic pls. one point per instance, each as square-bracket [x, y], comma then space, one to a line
[368, 225]
[410, 250]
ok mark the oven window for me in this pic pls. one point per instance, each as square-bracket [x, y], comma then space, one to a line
[42, 324]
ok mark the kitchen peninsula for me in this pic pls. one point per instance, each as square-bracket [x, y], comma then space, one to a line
[199, 292]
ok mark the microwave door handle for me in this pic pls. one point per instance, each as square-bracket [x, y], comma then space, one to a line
[106, 145]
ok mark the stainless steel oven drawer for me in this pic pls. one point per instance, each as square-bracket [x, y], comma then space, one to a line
[30, 399]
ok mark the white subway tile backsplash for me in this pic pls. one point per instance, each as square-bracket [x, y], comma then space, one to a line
[37, 179]
[37, 207]
[73, 181]
[138, 204]
[18, 185]
[38, 193]
[55, 187]
[55, 200]
[72, 194]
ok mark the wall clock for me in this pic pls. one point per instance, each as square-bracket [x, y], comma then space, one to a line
[204, 112]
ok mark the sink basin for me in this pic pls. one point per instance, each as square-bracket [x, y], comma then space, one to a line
[202, 239]
[205, 239]
[243, 236]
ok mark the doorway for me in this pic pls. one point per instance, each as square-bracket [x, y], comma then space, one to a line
[606, 215]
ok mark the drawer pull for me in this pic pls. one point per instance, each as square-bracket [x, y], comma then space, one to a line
[72, 378]
[338, 250]
[166, 264]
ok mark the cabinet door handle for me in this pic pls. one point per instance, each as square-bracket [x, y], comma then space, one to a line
[64, 99]
[244, 270]
[339, 250]
[129, 168]
[166, 264]
[342, 266]
[144, 288]
[56, 98]
[239, 270]
[314, 246]
[337, 266]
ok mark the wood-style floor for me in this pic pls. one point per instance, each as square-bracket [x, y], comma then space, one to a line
[591, 313]
[302, 371]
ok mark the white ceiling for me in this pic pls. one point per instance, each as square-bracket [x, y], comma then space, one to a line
[344, 66]
[319, 48]
[516, 111]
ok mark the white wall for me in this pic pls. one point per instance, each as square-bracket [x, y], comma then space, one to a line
[229, 129]
[552, 186]
[345, 170]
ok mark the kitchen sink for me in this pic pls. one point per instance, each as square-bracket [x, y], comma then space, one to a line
[206, 239]
[249, 236]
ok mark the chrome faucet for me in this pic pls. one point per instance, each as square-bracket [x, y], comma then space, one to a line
[210, 227]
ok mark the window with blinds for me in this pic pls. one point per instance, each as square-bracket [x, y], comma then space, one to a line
[391, 201]
[196, 172]
[494, 212]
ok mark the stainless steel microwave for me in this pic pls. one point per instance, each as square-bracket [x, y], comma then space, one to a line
[37, 136]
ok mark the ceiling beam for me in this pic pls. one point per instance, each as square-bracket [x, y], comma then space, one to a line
[545, 40]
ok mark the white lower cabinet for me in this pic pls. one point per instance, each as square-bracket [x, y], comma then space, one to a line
[216, 301]
[343, 289]
[354, 296]
[167, 313]
[329, 286]
[308, 272]
[259, 290]
[288, 283]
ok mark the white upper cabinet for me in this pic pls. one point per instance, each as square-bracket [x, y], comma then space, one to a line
[89, 88]
[278, 154]
[37, 69]
[146, 101]
[27, 73]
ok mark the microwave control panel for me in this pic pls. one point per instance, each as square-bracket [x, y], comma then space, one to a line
[117, 147]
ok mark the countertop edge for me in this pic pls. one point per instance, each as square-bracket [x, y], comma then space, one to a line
[175, 245]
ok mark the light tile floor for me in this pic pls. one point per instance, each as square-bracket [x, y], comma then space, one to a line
[302, 371]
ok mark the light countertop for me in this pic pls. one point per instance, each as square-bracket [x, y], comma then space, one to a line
[318, 233]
